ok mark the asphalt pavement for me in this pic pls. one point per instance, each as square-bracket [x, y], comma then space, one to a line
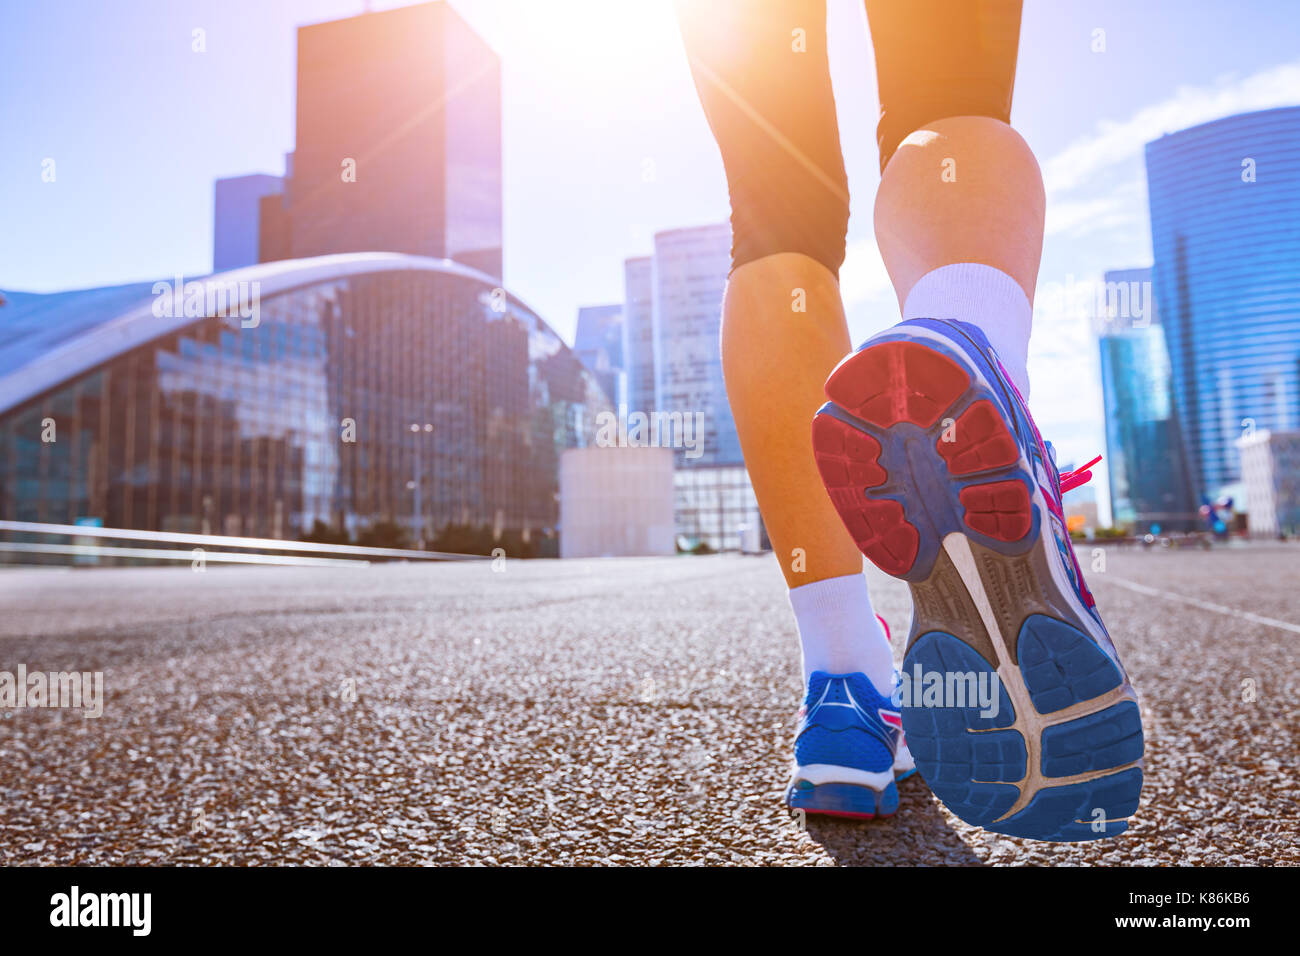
[623, 711]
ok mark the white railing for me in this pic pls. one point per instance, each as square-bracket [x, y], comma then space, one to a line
[348, 555]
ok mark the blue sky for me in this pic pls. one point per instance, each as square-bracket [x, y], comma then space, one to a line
[596, 95]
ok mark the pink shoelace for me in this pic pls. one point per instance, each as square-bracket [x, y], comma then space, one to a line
[1080, 476]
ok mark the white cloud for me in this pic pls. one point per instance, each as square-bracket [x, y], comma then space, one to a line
[1078, 216]
[1113, 142]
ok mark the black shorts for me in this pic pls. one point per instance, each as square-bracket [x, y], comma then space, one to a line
[761, 70]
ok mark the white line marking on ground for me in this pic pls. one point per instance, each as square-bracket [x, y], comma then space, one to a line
[1207, 606]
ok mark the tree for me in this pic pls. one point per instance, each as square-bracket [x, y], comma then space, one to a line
[456, 538]
[384, 534]
[322, 533]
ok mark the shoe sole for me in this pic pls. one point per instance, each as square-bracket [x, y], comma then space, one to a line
[850, 800]
[847, 800]
[925, 470]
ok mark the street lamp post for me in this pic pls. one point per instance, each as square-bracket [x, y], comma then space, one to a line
[417, 515]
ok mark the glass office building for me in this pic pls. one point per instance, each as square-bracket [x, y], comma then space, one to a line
[1270, 471]
[672, 313]
[689, 280]
[599, 343]
[135, 407]
[714, 500]
[638, 346]
[715, 506]
[397, 142]
[1149, 484]
[1225, 204]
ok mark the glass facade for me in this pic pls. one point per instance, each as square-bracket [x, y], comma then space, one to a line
[472, 143]
[599, 343]
[1270, 471]
[638, 333]
[715, 506]
[672, 315]
[1144, 456]
[398, 139]
[1225, 203]
[690, 277]
[217, 428]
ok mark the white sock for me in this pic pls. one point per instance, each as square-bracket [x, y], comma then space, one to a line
[985, 297]
[839, 631]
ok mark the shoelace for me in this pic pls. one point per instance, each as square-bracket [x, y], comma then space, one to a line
[1080, 476]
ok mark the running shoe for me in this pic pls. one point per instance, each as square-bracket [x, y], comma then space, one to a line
[849, 749]
[1016, 707]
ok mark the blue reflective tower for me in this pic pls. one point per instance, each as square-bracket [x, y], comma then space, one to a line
[1225, 227]
[1149, 482]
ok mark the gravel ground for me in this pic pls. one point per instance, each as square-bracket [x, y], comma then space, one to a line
[620, 711]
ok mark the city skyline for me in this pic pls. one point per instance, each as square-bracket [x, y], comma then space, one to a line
[386, 367]
[1225, 197]
[620, 159]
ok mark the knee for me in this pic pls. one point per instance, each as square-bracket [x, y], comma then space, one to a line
[790, 207]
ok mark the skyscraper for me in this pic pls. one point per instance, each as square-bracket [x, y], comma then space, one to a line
[1144, 454]
[601, 327]
[237, 218]
[1225, 201]
[672, 314]
[690, 277]
[1270, 471]
[398, 138]
[599, 343]
[638, 332]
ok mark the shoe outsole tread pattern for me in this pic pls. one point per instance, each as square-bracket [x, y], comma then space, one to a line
[911, 448]
[847, 800]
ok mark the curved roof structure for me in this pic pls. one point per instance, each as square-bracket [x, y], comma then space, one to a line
[46, 339]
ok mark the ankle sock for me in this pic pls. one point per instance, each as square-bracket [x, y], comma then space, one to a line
[839, 630]
[984, 297]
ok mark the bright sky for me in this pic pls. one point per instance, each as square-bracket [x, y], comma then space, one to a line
[596, 93]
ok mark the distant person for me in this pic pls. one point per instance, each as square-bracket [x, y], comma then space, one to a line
[934, 467]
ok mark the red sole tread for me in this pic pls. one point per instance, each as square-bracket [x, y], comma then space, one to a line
[896, 382]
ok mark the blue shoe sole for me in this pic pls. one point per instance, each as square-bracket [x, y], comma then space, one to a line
[928, 472]
[847, 800]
